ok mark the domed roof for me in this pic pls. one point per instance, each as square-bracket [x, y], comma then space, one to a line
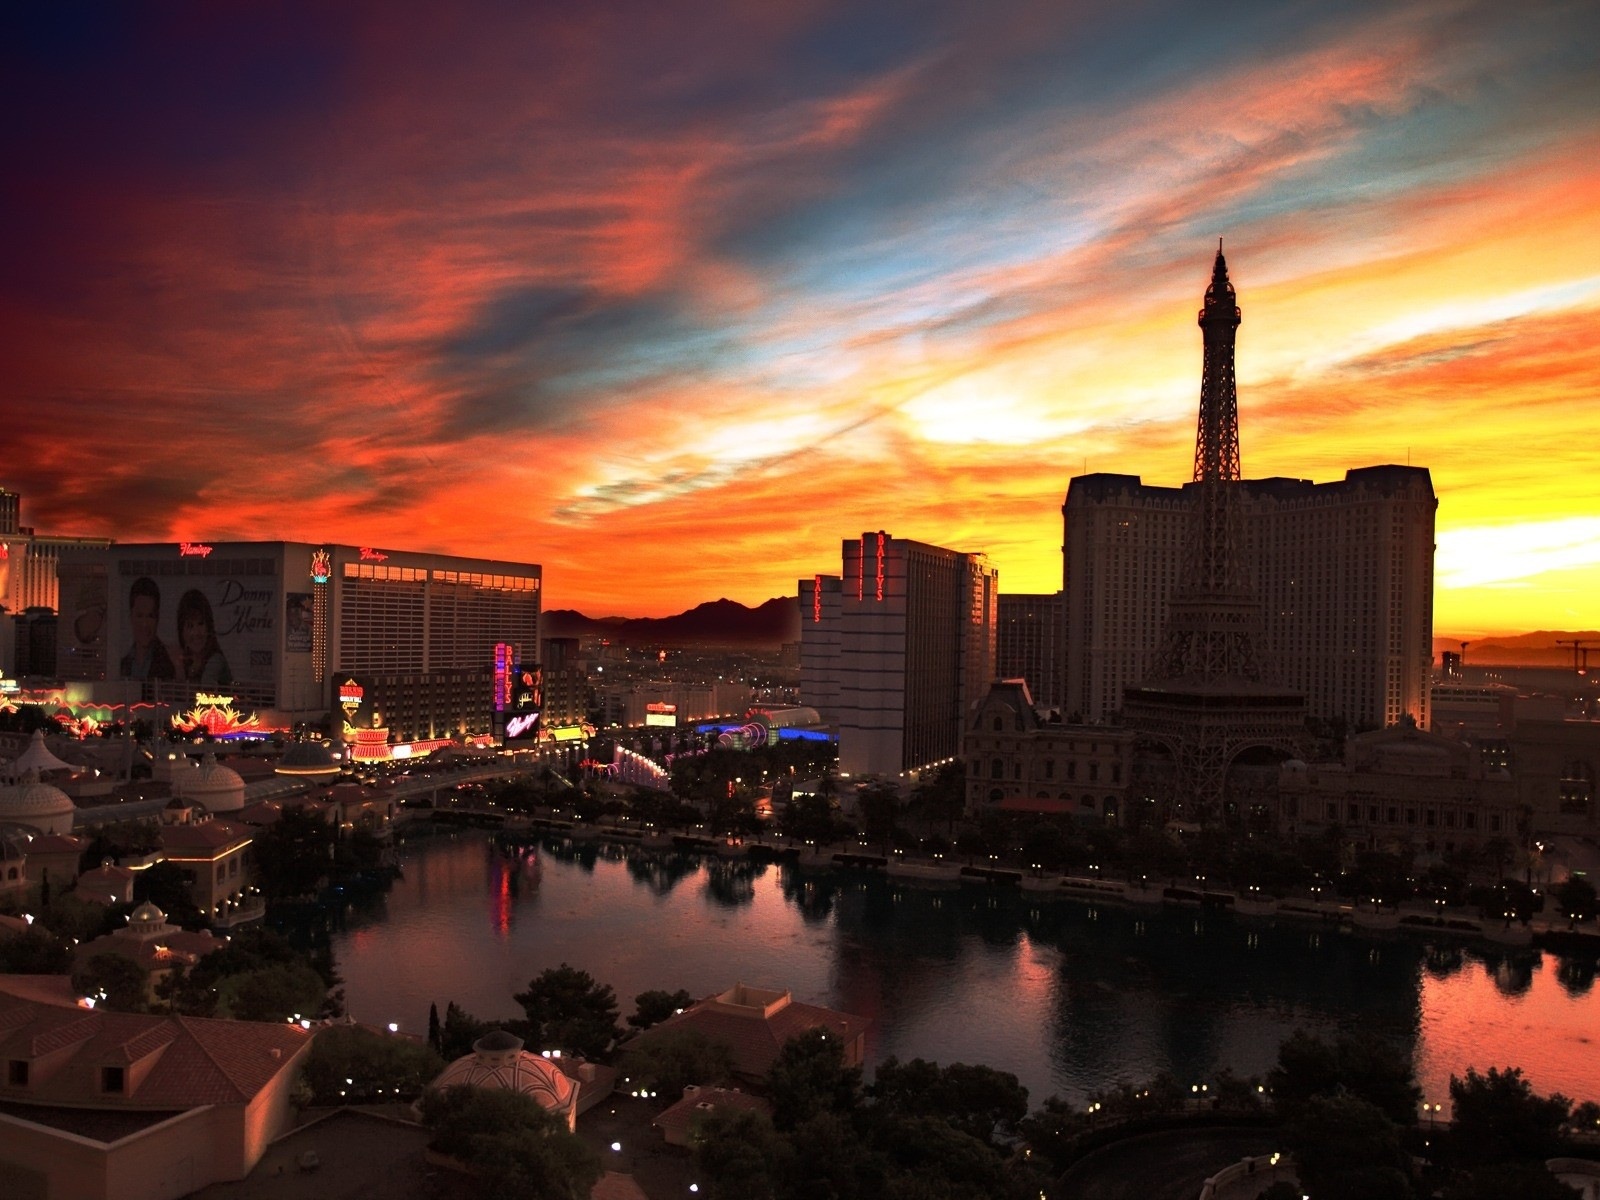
[219, 788]
[308, 758]
[499, 1061]
[146, 912]
[30, 802]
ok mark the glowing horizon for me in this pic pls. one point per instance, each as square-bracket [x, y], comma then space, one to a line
[670, 299]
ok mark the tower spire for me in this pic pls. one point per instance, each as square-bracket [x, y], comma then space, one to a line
[1205, 697]
[1212, 616]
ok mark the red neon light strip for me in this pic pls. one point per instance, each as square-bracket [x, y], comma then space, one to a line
[861, 570]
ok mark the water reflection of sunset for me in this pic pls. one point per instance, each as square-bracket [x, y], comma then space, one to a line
[1068, 996]
[1493, 1015]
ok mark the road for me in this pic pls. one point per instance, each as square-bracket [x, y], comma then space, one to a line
[1161, 1166]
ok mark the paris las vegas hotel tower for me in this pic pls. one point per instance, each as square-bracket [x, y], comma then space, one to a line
[1343, 572]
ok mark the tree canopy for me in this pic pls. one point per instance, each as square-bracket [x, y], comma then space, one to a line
[516, 1149]
[1361, 1064]
[1499, 1118]
[569, 1010]
[352, 1065]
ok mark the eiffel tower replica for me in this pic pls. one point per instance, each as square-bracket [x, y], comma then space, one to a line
[1206, 697]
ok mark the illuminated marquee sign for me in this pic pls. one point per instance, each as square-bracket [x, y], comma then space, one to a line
[880, 566]
[816, 598]
[210, 698]
[321, 566]
[504, 665]
[659, 713]
[368, 554]
[521, 725]
[194, 550]
[350, 695]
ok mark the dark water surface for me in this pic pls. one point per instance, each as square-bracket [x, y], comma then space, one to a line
[1069, 995]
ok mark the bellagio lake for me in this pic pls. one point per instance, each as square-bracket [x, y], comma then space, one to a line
[1069, 995]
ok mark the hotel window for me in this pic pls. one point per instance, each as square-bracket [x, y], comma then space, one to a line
[997, 770]
[1494, 822]
[1469, 820]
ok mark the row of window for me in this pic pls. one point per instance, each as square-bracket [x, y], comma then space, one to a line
[997, 770]
[1391, 814]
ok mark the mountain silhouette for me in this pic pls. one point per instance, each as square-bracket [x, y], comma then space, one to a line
[714, 623]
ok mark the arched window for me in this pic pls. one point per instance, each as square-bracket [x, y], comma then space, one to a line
[1049, 768]
[1577, 788]
[996, 795]
[997, 769]
[999, 724]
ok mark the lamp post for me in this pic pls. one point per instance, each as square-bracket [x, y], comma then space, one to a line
[1432, 1110]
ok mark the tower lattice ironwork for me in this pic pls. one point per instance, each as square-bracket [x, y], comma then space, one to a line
[1205, 696]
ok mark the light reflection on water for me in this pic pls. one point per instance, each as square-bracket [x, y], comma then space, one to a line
[1070, 996]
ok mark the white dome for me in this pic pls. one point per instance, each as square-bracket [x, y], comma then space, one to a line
[38, 805]
[499, 1061]
[219, 788]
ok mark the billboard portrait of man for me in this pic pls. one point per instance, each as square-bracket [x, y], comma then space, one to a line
[147, 658]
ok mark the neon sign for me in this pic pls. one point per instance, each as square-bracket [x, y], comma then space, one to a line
[861, 569]
[880, 565]
[368, 554]
[816, 599]
[321, 566]
[503, 658]
[209, 698]
[521, 724]
[350, 695]
[194, 550]
[219, 720]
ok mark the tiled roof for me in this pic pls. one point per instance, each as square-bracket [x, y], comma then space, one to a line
[56, 843]
[614, 1185]
[202, 1061]
[109, 875]
[754, 1036]
[676, 1121]
[205, 838]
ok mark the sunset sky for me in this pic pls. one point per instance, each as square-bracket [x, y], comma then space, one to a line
[670, 298]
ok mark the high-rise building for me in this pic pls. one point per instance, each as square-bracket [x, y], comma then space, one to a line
[820, 606]
[28, 560]
[1343, 572]
[896, 649]
[1029, 643]
[284, 625]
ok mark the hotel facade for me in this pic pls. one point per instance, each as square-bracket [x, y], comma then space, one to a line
[1344, 572]
[895, 650]
[286, 626]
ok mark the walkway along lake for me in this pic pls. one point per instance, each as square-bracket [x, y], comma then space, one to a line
[1068, 994]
